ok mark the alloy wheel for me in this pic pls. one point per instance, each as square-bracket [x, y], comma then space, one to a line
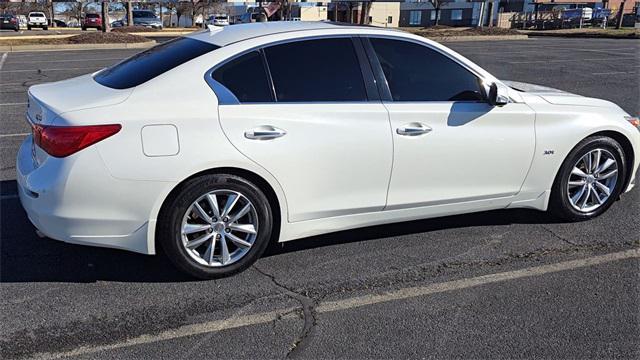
[592, 180]
[219, 228]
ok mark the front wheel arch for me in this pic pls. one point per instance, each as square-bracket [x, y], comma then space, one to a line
[258, 180]
[626, 147]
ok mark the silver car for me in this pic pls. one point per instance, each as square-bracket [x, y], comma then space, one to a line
[146, 18]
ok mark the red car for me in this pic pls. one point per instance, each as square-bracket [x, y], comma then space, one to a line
[92, 21]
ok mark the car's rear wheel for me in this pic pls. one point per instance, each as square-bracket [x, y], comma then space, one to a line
[28, 27]
[590, 179]
[215, 226]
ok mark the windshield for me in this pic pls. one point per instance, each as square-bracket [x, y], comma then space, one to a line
[143, 14]
[150, 63]
[92, 16]
[37, 14]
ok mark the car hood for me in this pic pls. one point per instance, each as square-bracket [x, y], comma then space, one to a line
[556, 96]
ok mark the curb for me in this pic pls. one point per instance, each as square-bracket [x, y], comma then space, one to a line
[49, 47]
[161, 33]
[477, 38]
[583, 36]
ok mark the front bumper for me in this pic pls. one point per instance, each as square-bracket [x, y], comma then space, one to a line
[76, 200]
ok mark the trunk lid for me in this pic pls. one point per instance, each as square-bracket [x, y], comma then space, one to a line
[48, 101]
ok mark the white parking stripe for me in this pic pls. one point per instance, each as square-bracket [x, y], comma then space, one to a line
[12, 135]
[351, 303]
[3, 59]
[570, 60]
[67, 60]
[13, 104]
[42, 70]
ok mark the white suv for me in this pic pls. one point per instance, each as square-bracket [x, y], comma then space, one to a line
[37, 19]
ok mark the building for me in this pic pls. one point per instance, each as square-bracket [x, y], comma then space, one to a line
[417, 13]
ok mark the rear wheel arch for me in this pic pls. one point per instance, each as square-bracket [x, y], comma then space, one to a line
[256, 179]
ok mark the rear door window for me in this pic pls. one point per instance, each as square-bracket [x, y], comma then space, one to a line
[246, 78]
[150, 63]
[316, 70]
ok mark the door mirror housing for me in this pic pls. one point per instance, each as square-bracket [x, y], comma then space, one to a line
[497, 95]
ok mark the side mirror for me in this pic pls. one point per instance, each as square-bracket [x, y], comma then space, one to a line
[498, 95]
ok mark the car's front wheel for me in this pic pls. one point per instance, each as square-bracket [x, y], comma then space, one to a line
[590, 179]
[215, 226]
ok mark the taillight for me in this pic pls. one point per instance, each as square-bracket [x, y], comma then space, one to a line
[13, 21]
[61, 141]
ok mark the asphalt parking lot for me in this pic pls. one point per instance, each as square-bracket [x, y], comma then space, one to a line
[501, 284]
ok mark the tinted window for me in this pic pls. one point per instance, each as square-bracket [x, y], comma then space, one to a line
[143, 14]
[153, 62]
[246, 78]
[316, 70]
[92, 16]
[417, 73]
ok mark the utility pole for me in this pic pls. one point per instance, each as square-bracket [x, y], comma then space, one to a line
[620, 15]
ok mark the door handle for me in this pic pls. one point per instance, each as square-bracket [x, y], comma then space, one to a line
[264, 132]
[413, 129]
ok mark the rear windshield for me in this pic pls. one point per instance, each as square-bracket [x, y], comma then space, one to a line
[148, 64]
[92, 16]
[36, 14]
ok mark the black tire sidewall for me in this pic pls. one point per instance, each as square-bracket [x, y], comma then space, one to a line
[171, 221]
[560, 199]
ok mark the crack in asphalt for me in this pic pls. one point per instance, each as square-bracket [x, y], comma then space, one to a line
[308, 313]
[555, 235]
[29, 341]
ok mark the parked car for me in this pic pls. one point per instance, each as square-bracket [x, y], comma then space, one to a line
[60, 23]
[117, 23]
[9, 22]
[146, 18]
[22, 21]
[37, 19]
[92, 21]
[215, 144]
[218, 20]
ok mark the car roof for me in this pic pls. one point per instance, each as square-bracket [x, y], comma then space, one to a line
[239, 32]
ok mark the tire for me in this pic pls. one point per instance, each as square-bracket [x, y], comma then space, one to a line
[28, 27]
[45, 28]
[179, 210]
[563, 194]
[84, 28]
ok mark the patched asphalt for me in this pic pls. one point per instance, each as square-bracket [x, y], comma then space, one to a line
[57, 297]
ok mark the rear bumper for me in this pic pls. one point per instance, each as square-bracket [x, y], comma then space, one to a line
[76, 200]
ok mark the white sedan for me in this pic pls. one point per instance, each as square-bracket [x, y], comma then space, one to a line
[216, 144]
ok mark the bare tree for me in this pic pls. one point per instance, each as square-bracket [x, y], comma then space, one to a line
[181, 9]
[436, 5]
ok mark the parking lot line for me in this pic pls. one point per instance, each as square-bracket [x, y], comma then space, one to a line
[13, 104]
[3, 59]
[12, 135]
[42, 70]
[67, 60]
[570, 60]
[351, 303]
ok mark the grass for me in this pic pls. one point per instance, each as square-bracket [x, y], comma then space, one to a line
[447, 31]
